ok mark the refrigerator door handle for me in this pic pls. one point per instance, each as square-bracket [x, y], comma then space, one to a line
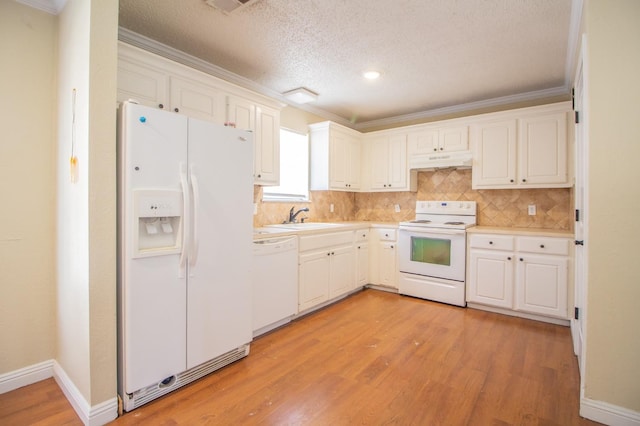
[193, 250]
[185, 220]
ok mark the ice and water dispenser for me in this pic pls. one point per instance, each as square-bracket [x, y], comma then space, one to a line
[158, 218]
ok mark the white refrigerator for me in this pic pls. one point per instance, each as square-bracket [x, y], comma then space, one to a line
[185, 228]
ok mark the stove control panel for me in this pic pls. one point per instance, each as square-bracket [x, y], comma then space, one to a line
[446, 207]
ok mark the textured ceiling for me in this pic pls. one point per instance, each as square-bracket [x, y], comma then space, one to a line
[432, 54]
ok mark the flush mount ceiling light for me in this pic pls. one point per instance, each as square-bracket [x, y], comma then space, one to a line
[371, 75]
[228, 6]
[301, 95]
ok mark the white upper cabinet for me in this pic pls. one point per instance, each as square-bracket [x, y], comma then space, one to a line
[542, 148]
[264, 122]
[158, 82]
[446, 139]
[144, 83]
[522, 149]
[198, 100]
[494, 153]
[388, 163]
[335, 157]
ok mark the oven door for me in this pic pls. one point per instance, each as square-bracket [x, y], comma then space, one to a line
[432, 252]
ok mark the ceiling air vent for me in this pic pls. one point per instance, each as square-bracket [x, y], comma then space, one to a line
[228, 6]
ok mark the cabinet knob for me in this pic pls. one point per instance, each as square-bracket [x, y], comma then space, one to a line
[524, 180]
[509, 258]
[161, 106]
[332, 253]
[490, 242]
[364, 235]
[521, 260]
[176, 110]
[386, 235]
[391, 246]
[541, 245]
[328, 254]
[511, 180]
[389, 185]
[435, 149]
[441, 149]
[259, 176]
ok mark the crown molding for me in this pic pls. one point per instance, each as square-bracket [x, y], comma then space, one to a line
[470, 106]
[53, 7]
[153, 46]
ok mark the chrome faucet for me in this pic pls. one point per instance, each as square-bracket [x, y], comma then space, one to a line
[292, 215]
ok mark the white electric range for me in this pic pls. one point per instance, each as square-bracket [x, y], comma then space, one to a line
[432, 251]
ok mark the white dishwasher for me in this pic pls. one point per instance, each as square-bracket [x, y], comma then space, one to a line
[275, 282]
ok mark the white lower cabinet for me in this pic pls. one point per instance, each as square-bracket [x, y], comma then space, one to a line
[383, 262]
[528, 274]
[541, 284]
[326, 268]
[362, 257]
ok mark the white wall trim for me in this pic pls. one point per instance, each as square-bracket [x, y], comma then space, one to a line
[90, 415]
[608, 414]
[26, 376]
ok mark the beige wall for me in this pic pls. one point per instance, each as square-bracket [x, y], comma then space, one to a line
[86, 209]
[27, 285]
[613, 320]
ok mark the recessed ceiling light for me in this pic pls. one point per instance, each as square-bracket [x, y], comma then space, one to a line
[371, 75]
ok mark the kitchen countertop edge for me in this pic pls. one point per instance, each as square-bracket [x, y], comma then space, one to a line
[539, 232]
[271, 232]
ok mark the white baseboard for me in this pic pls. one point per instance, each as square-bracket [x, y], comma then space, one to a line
[608, 414]
[95, 415]
[26, 376]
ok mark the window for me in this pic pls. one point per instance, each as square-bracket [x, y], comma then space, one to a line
[294, 169]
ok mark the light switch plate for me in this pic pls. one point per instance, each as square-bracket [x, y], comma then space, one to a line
[532, 209]
[397, 208]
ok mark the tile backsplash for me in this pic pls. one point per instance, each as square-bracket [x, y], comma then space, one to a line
[496, 207]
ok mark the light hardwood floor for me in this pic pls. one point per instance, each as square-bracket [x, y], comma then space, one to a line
[374, 358]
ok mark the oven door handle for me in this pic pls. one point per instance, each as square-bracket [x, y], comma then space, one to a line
[440, 231]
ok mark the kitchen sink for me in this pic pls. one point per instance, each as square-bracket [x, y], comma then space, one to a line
[306, 225]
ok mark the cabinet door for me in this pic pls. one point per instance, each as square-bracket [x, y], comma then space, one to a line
[362, 264]
[342, 279]
[241, 113]
[142, 84]
[197, 100]
[453, 139]
[388, 268]
[541, 285]
[397, 162]
[379, 163]
[314, 279]
[338, 160]
[423, 142]
[542, 149]
[490, 278]
[354, 148]
[494, 153]
[267, 146]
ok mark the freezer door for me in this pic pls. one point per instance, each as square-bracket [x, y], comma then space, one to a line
[219, 287]
[152, 294]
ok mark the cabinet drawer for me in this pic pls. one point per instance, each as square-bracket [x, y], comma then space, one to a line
[495, 242]
[312, 242]
[543, 245]
[362, 235]
[387, 234]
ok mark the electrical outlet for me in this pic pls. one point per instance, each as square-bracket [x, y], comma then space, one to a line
[397, 208]
[331, 208]
[532, 209]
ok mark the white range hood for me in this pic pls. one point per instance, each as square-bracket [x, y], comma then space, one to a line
[441, 160]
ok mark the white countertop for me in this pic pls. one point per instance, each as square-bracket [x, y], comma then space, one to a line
[270, 231]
